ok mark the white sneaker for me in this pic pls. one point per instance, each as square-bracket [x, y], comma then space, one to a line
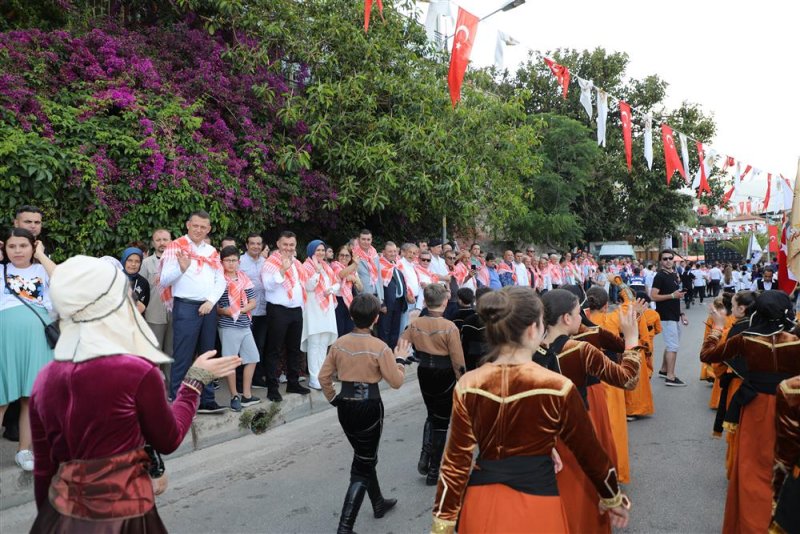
[282, 378]
[24, 459]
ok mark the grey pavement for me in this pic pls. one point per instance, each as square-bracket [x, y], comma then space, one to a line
[293, 478]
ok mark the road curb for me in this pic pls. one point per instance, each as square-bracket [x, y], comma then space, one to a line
[16, 486]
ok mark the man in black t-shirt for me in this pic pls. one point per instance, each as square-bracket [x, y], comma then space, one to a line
[667, 294]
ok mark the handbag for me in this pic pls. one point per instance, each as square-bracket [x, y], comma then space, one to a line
[51, 331]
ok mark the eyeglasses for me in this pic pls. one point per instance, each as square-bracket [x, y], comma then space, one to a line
[344, 255]
[667, 258]
[425, 260]
[449, 257]
[230, 261]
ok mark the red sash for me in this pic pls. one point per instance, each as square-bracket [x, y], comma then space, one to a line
[319, 290]
[346, 285]
[273, 265]
[386, 271]
[369, 258]
[116, 487]
[171, 253]
[237, 294]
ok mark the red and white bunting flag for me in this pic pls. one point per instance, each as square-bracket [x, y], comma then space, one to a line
[368, 11]
[741, 206]
[769, 191]
[625, 118]
[648, 140]
[463, 39]
[748, 207]
[746, 170]
[561, 73]
[671, 158]
[729, 162]
[704, 187]
[729, 194]
[787, 192]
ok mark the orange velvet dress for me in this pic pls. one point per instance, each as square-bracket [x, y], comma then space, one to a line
[515, 415]
[596, 393]
[639, 400]
[615, 399]
[714, 371]
[748, 507]
[578, 361]
[653, 321]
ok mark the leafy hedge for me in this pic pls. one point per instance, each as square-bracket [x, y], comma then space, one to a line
[115, 132]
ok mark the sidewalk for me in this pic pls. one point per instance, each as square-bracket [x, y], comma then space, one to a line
[16, 486]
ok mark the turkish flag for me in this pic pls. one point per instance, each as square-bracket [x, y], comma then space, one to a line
[773, 238]
[561, 73]
[368, 10]
[769, 192]
[728, 195]
[625, 117]
[671, 158]
[746, 170]
[466, 28]
[704, 187]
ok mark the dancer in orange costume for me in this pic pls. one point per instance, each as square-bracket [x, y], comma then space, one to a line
[771, 351]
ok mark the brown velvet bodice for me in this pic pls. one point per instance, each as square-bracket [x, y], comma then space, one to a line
[779, 353]
[578, 359]
[516, 410]
[601, 338]
[787, 426]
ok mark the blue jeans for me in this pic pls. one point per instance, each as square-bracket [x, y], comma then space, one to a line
[192, 334]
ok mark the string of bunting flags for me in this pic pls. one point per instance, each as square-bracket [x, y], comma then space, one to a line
[463, 40]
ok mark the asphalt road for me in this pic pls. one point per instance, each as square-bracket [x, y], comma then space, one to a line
[293, 478]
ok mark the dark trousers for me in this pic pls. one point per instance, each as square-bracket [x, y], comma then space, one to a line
[362, 422]
[284, 329]
[437, 386]
[689, 295]
[192, 334]
[700, 292]
[713, 288]
[389, 323]
[259, 328]
[344, 323]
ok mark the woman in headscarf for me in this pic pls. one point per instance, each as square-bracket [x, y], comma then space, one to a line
[95, 407]
[319, 313]
[771, 352]
[131, 261]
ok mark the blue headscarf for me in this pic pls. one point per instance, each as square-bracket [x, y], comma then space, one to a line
[313, 246]
[127, 253]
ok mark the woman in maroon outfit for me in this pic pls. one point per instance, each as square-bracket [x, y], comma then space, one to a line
[95, 407]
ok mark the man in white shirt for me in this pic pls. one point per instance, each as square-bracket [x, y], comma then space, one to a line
[283, 277]
[193, 280]
[766, 282]
[714, 280]
[251, 262]
[523, 279]
[438, 265]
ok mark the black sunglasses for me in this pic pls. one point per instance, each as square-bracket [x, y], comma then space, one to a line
[670, 258]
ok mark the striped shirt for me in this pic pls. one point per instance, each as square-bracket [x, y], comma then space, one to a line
[225, 321]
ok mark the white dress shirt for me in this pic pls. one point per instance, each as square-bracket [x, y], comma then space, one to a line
[205, 283]
[275, 293]
[439, 266]
[522, 274]
[252, 268]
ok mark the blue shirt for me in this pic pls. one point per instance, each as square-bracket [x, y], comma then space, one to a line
[494, 279]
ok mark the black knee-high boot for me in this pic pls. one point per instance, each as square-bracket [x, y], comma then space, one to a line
[352, 503]
[438, 441]
[425, 455]
[380, 505]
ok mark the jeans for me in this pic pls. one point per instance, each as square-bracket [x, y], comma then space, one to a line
[193, 334]
[284, 328]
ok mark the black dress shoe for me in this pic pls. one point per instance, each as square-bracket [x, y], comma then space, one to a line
[297, 388]
[274, 395]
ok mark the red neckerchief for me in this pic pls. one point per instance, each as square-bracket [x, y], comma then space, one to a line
[368, 257]
[346, 285]
[237, 294]
[273, 265]
[171, 253]
[319, 290]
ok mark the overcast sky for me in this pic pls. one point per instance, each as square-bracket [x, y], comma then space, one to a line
[739, 60]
